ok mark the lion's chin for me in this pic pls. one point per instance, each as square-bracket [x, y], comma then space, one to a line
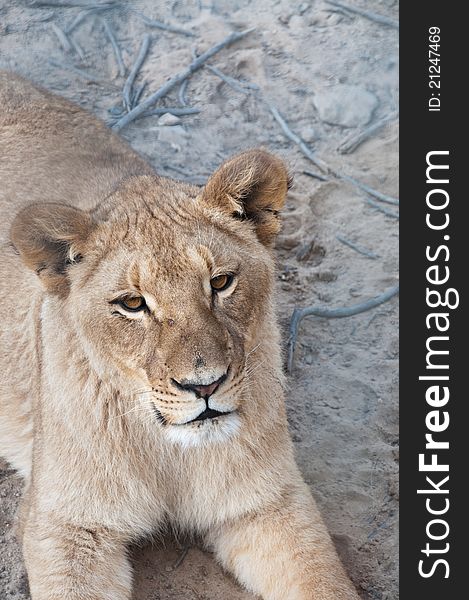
[205, 432]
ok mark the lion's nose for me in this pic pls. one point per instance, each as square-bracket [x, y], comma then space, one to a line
[201, 391]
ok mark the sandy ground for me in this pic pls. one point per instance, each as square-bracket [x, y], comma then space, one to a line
[329, 73]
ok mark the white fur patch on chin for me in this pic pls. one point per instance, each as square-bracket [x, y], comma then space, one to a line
[204, 433]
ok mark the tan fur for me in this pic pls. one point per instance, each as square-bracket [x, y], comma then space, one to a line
[89, 414]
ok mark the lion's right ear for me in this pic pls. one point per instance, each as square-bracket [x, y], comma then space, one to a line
[252, 186]
[49, 237]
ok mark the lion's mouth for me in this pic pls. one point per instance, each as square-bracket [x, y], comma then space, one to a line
[208, 413]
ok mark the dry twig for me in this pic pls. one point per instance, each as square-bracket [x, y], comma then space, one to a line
[323, 165]
[138, 92]
[356, 247]
[382, 209]
[182, 92]
[142, 53]
[233, 83]
[78, 49]
[68, 44]
[315, 175]
[81, 73]
[72, 4]
[296, 138]
[178, 79]
[115, 46]
[181, 557]
[62, 37]
[331, 313]
[366, 188]
[82, 15]
[163, 26]
[176, 111]
[355, 140]
[372, 16]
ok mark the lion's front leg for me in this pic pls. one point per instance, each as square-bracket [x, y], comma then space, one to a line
[66, 562]
[284, 552]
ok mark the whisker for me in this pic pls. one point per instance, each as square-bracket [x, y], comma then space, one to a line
[134, 409]
[246, 366]
[252, 352]
[254, 449]
[252, 369]
[142, 391]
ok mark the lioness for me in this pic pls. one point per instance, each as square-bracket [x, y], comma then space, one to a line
[141, 374]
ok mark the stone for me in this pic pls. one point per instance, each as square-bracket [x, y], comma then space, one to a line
[345, 105]
[297, 23]
[175, 136]
[309, 134]
[169, 119]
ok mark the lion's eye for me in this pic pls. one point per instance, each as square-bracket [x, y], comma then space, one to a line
[221, 282]
[132, 303]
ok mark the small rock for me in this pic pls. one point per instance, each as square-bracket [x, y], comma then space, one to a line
[346, 105]
[297, 23]
[326, 276]
[175, 136]
[203, 571]
[288, 273]
[325, 18]
[169, 119]
[312, 252]
[284, 18]
[309, 134]
[356, 292]
[116, 111]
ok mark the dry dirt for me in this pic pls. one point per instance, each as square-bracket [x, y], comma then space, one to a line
[342, 403]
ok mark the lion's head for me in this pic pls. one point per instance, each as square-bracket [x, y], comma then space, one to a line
[167, 286]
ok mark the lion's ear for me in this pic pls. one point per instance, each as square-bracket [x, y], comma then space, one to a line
[252, 185]
[49, 237]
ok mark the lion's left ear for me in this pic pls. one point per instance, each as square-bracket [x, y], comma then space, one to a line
[48, 236]
[253, 186]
